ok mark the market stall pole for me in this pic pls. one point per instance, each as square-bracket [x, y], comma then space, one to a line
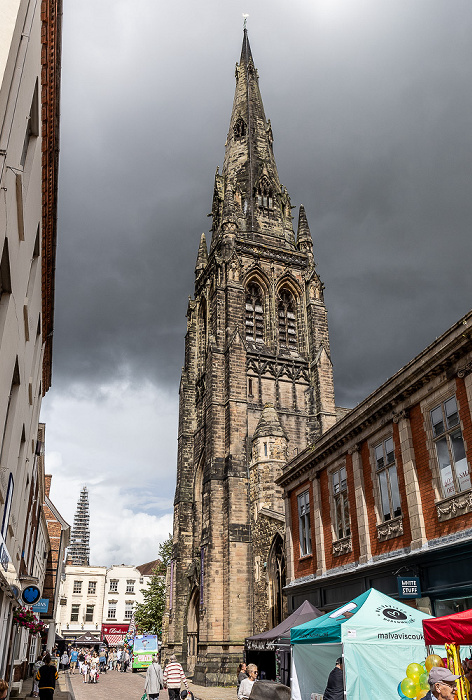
[452, 631]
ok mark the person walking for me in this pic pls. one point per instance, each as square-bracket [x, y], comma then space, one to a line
[335, 687]
[46, 676]
[64, 660]
[247, 683]
[154, 679]
[174, 676]
[74, 655]
[119, 656]
[241, 675]
[125, 661]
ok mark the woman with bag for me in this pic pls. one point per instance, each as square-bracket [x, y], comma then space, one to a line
[154, 679]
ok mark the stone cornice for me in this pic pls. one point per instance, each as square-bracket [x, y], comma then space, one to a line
[434, 360]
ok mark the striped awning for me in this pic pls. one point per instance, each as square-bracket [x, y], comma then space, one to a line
[114, 639]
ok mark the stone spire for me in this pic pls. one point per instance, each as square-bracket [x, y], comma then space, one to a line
[79, 551]
[304, 240]
[257, 202]
[202, 257]
[269, 424]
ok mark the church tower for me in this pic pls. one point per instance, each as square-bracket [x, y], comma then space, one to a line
[256, 387]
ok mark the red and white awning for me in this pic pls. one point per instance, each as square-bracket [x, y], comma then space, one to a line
[114, 639]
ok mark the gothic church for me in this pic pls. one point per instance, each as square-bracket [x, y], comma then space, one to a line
[256, 387]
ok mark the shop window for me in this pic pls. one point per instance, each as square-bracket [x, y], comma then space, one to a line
[342, 526]
[304, 523]
[254, 313]
[287, 320]
[74, 613]
[450, 450]
[387, 479]
[77, 587]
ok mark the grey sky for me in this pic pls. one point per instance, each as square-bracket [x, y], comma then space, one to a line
[371, 110]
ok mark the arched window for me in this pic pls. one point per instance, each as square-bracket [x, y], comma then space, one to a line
[287, 320]
[202, 330]
[239, 128]
[265, 199]
[277, 580]
[254, 313]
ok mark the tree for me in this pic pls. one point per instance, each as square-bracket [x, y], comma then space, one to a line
[148, 614]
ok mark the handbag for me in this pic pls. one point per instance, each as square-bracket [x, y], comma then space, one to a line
[144, 696]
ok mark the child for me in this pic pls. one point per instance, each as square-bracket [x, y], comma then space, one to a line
[84, 670]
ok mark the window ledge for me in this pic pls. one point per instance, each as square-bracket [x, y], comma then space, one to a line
[390, 529]
[342, 546]
[451, 507]
[305, 556]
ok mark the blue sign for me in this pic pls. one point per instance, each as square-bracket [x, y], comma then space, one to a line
[409, 587]
[41, 606]
[31, 595]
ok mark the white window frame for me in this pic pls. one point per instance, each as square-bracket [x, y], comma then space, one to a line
[304, 523]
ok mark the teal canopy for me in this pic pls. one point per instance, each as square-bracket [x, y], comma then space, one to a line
[327, 628]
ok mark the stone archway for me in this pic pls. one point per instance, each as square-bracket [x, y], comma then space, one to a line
[277, 578]
[193, 621]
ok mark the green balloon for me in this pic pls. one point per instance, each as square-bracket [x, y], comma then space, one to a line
[409, 688]
[424, 685]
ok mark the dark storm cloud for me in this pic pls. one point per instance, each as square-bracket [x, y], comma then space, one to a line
[371, 109]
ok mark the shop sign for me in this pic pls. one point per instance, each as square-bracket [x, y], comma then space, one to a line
[41, 606]
[409, 587]
[114, 629]
[4, 556]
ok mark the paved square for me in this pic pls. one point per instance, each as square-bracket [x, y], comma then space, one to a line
[112, 685]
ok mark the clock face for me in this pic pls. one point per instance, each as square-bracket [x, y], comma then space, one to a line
[31, 595]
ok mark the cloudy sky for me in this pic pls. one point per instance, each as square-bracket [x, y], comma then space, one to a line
[371, 109]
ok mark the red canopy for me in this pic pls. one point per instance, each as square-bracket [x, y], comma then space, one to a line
[450, 629]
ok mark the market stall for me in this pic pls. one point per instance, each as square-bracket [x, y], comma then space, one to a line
[379, 638]
[270, 650]
[453, 631]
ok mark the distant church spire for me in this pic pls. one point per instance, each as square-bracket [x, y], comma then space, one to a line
[79, 551]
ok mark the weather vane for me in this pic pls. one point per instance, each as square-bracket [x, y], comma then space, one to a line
[245, 20]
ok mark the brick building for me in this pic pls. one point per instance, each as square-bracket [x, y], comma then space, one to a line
[387, 490]
[256, 388]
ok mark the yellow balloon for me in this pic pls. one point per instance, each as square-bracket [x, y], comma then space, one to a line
[414, 672]
[433, 660]
[421, 694]
[409, 688]
[467, 685]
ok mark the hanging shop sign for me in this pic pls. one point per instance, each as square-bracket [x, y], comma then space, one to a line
[409, 587]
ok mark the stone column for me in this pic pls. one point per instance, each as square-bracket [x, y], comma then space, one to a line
[413, 495]
[318, 526]
[361, 506]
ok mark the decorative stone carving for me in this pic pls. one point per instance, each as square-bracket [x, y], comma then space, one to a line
[353, 449]
[390, 529]
[450, 507]
[397, 417]
[463, 371]
[342, 546]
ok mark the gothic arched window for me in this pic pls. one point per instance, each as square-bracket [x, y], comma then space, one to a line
[265, 199]
[287, 320]
[239, 128]
[254, 313]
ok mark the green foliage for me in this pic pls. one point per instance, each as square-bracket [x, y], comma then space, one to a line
[148, 614]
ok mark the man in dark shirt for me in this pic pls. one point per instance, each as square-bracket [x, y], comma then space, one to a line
[46, 677]
[335, 688]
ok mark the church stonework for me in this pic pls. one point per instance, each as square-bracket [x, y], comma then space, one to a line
[256, 388]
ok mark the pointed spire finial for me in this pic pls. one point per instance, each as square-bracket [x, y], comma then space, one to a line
[202, 257]
[303, 233]
[245, 16]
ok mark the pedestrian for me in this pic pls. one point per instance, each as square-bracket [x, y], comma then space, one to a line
[241, 674]
[81, 660]
[154, 679]
[3, 689]
[64, 660]
[247, 683]
[74, 655]
[174, 676]
[119, 656]
[103, 661]
[442, 684]
[335, 688]
[37, 665]
[111, 660]
[46, 677]
[125, 661]
[85, 671]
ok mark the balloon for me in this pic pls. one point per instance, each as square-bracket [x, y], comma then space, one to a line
[466, 685]
[421, 694]
[433, 660]
[399, 691]
[424, 685]
[409, 688]
[414, 672]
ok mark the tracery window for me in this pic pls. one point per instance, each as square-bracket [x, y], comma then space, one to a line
[287, 320]
[254, 313]
[265, 199]
[239, 128]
